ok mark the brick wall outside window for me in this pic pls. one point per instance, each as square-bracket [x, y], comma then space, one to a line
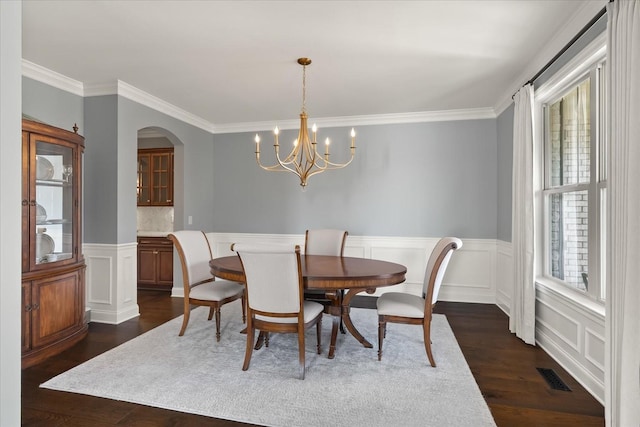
[569, 122]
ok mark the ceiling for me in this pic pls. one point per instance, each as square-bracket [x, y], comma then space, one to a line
[234, 62]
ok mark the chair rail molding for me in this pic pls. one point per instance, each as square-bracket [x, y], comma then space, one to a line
[111, 282]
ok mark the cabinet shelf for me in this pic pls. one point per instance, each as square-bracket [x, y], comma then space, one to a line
[53, 183]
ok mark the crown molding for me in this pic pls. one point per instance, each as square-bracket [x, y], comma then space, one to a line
[51, 78]
[370, 120]
[132, 93]
[141, 97]
[585, 11]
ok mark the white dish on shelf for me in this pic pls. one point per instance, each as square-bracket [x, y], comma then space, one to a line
[59, 256]
[44, 245]
[41, 213]
[44, 168]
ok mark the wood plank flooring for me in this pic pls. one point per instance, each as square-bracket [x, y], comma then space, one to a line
[503, 366]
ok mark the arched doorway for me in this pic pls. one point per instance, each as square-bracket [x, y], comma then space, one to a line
[159, 204]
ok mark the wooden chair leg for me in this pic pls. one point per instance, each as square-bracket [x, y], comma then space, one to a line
[217, 313]
[382, 332]
[301, 351]
[244, 309]
[211, 310]
[249, 348]
[319, 334]
[427, 342]
[185, 319]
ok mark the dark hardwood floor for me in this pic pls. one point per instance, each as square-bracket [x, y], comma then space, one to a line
[503, 366]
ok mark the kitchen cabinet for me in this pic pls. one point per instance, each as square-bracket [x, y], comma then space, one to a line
[53, 267]
[155, 263]
[155, 177]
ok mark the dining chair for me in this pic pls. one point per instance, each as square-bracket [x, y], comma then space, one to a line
[275, 300]
[325, 242]
[200, 286]
[400, 307]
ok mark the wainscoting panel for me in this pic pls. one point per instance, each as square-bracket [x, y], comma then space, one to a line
[470, 277]
[504, 275]
[111, 282]
[569, 329]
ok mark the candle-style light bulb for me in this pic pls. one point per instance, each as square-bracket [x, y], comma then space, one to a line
[276, 131]
[326, 146]
[257, 143]
[314, 129]
[353, 138]
[295, 142]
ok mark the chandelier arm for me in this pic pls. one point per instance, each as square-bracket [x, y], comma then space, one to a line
[331, 165]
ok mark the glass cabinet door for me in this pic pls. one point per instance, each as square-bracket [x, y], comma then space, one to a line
[144, 179]
[54, 210]
[161, 178]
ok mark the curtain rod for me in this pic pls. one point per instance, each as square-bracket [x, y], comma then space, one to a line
[567, 46]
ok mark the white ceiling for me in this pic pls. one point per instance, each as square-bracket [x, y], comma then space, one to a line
[233, 62]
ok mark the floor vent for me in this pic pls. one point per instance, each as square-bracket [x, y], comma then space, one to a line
[554, 381]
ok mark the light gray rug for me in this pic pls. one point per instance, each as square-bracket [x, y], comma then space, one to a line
[195, 374]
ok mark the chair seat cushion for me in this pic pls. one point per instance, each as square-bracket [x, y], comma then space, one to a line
[311, 310]
[400, 304]
[216, 290]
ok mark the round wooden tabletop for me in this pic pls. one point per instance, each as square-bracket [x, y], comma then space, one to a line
[326, 272]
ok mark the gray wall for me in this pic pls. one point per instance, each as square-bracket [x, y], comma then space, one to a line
[51, 105]
[423, 180]
[426, 179]
[100, 190]
[110, 126]
[111, 164]
[505, 165]
[193, 175]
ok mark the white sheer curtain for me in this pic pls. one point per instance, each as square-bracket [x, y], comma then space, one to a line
[523, 298]
[622, 381]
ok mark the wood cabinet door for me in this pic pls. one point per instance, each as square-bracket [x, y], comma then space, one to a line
[147, 265]
[26, 316]
[165, 266]
[56, 307]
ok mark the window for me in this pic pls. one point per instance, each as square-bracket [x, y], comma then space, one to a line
[573, 189]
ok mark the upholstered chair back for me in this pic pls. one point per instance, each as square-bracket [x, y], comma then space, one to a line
[325, 242]
[437, 265]
[195, 253]
[273, 276]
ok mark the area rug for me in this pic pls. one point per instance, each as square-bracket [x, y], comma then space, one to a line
[196, 374]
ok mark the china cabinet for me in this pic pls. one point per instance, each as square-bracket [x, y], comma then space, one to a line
[53, 267]
[155, 263]
[155, 177]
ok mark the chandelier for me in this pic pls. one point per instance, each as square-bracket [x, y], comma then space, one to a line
[304, 159]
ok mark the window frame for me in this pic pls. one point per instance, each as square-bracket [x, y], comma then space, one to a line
[590, 62]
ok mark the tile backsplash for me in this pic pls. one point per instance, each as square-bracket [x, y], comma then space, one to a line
[155, 218]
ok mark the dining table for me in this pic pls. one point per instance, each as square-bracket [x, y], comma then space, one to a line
[340, 278]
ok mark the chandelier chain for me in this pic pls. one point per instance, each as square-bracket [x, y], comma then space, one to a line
[304, 88]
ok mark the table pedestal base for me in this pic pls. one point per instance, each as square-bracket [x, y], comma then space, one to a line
[340, 309]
